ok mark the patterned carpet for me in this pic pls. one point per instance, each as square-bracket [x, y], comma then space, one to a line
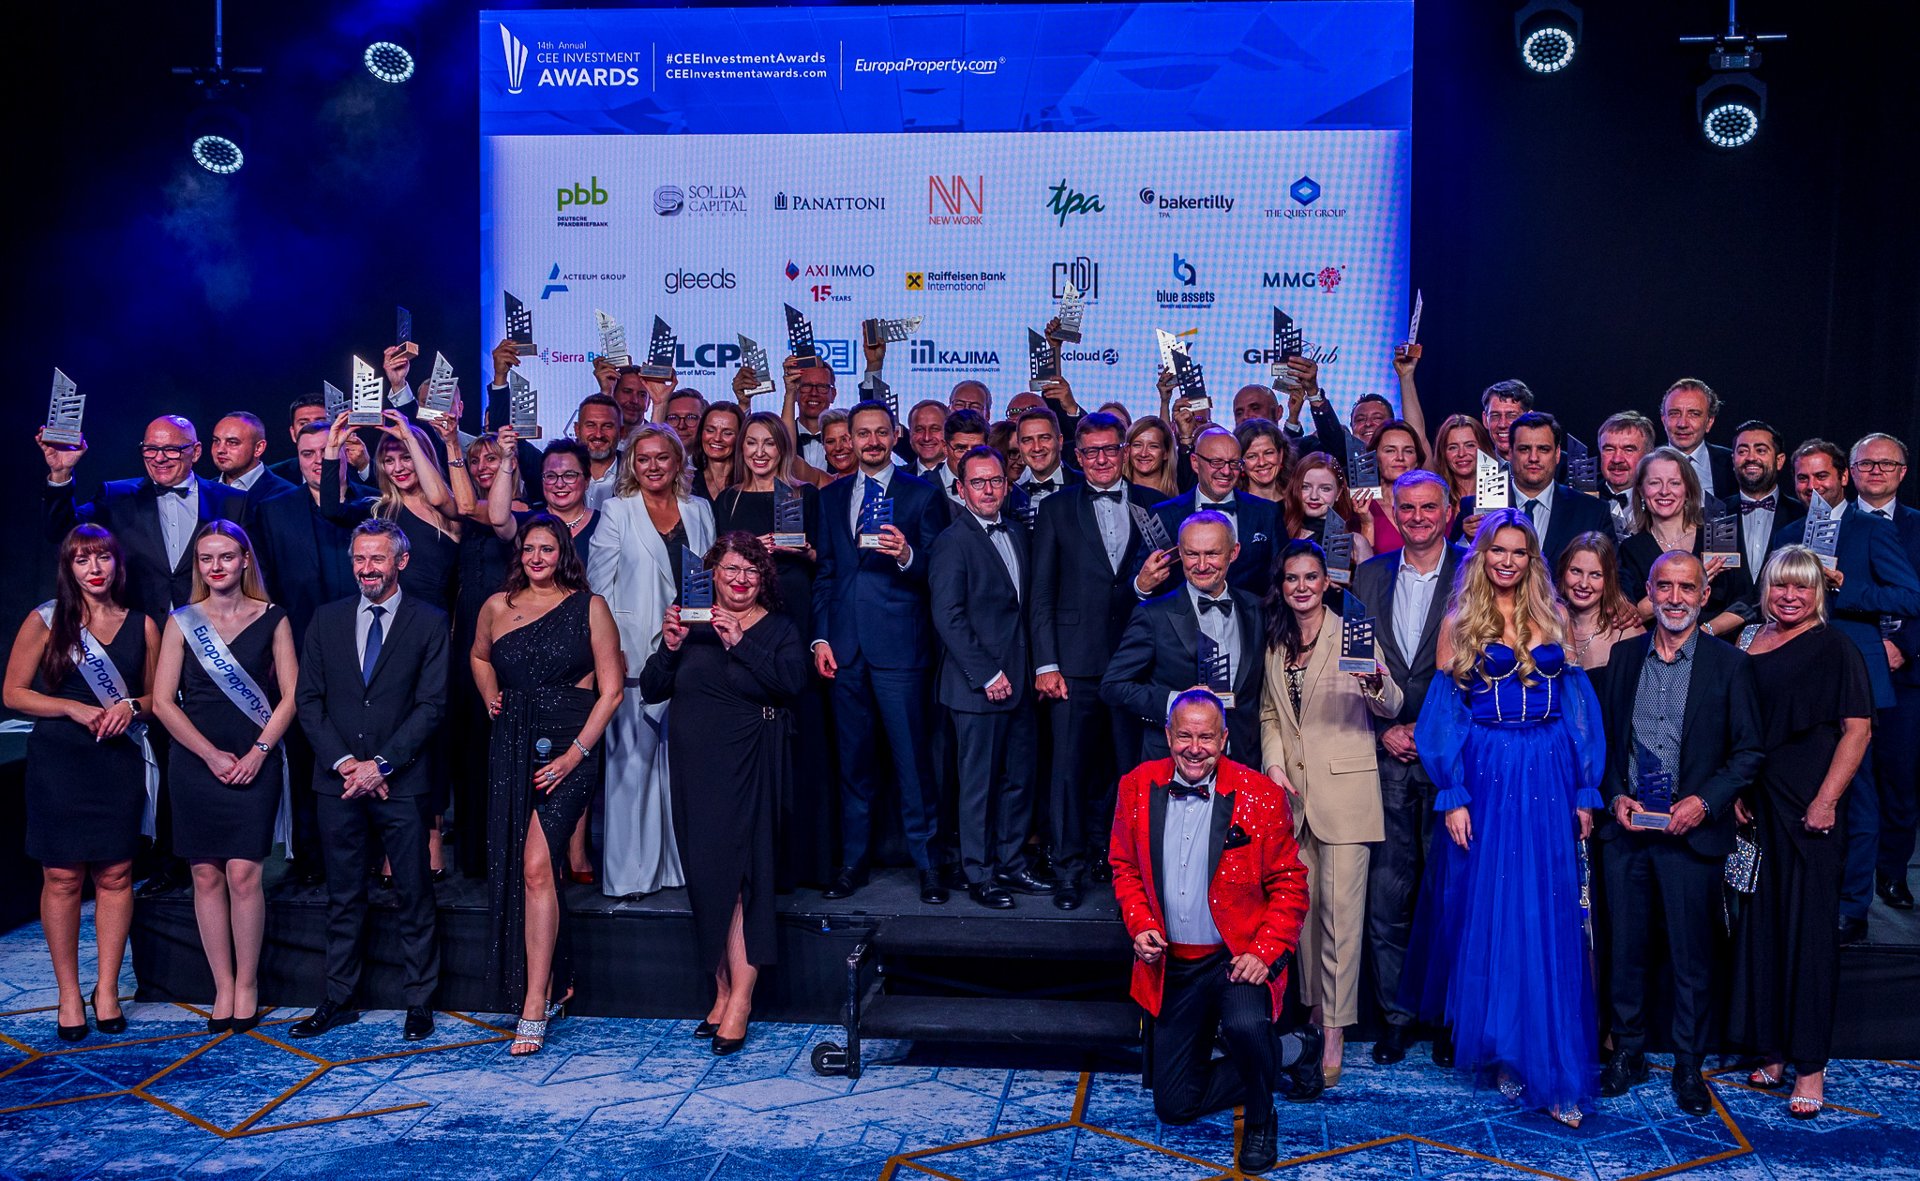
[643, 1099]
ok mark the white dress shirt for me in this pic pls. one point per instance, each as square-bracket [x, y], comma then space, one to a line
[1702, 460]
[1201, 504]
[1543, 510]
[813, 450]
[1884, 512]
[363, 623]
[1002, 545]
[1756, 530]
[1412, 599]
[179, 517]
[1222, 629]
[600, 488]
[1114, 521]
[245, 481]
[1184, 853]
[1027, 480]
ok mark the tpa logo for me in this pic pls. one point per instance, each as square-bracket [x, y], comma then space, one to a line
[516, 51]
[1064, 200]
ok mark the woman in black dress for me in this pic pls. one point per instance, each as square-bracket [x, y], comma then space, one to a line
[225, 769]
[1668, 514]
[804, 826]
[716, 449]
[1816, 710]
[547, 662]
[88, 779]
[731, 684]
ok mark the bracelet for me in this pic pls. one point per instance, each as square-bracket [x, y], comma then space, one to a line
[583, 750]
[452, 462]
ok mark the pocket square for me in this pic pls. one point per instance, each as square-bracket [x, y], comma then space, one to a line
[1236, 837]
[1259, 537]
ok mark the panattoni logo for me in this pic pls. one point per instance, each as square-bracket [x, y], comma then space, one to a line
[516, 51]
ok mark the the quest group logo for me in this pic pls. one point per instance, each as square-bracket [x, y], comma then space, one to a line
[1304, 201]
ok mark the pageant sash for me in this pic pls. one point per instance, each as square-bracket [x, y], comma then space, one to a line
[217, 661]
[109, 687]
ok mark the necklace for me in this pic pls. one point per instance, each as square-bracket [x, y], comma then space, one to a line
[574, 525]
[1671, 542]
[1580, 645]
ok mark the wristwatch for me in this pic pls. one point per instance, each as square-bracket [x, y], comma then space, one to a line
[263, 748]
[385, 768]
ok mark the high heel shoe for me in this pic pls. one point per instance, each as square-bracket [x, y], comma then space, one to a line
[106, 1024]
[558, 1009]
[219, 1024]
[1567, 1116]
[243, 1024]
[706, 1029]
[722, 1046]
[72, 1033]
[531, 1034]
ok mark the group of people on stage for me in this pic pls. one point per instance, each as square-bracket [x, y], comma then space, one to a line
[1062, 624]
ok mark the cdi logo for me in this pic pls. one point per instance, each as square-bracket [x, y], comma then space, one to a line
[1082, 272]
[516, 51]
[589, 194]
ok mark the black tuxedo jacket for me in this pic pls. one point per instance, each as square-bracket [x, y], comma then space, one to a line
[1373, 585]
[264, 489]
[1159, 654]
[1080, 605]
[392, 716]
[306, 559]
[979, 615]
[1720, 741]
[130, 510]
[1258, 526]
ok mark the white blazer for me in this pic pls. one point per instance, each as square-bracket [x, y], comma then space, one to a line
[629, 568]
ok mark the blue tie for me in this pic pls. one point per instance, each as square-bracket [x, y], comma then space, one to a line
[372, 656]
[868, 498]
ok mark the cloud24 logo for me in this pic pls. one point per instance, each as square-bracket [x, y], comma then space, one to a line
[1066, 200]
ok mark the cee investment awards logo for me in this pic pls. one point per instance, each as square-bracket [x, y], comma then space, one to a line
[516, 51]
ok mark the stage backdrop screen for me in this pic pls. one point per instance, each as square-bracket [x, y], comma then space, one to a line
[1188, 167]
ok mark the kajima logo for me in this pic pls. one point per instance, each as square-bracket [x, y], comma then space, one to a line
[949, 198]
[1066, 200]
[516, 59]
[926, 356]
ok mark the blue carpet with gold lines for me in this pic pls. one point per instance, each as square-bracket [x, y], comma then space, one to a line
[642, 1099]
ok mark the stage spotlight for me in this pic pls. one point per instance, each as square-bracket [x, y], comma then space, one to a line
[1548, 33]
[388, 61]
[217, 138]
[1730, 107]
[218, 154]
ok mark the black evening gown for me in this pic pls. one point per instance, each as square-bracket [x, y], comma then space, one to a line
[1787, 954]
[807, 823]
[538, 665]
[85, 799]
[484, 562]
[211, 821]
[732, 705]
[1731, 589]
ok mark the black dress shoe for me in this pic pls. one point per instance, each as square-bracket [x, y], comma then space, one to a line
[933, 891]
[1443, 1049]
[722, 1046]
[843, 885]
[1021, 882]
[1893, 891]
[1101, 871]
[71, 1033]
[1392, 1046]
[991, 896]
[107, 1024]
[706, 1029]
[243, 1024]
[1067, 897]
[1690, 1090]
[1623, 1071]
[329, 1015]
[1851, 931]
[1259, 1145]
[1307, 1078]
[419, 1025]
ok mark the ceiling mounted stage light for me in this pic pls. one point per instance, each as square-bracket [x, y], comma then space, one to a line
[1547, 33]
[218, 154]
[216, 133]
[1731, 104]
[388, 61]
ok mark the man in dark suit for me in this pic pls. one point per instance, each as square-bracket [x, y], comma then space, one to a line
[1038, 437]
[238, 442]
[305, 410]
[1159, 653]
[1559, 512]
[1876, 582]
[1621, 440]
[372, 691]
[1878, 464]
[1758, 457]
[1688, 412]
[979, 579]
[1255, 522]
[1407, 591]
[873, 641]
[1084, 547]
[1682, 722]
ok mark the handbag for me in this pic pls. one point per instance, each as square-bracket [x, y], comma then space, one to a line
[1743, 864]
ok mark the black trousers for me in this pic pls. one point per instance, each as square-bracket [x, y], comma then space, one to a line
[1199, 1006]
[1393, 878]
[1896, 767]
[1090, 753]
[994, 752]
[1649, 875]
[346, 829]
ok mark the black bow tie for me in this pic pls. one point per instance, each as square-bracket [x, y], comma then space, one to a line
[1113, 494]
[1187, 791]
[179, 490]
[807, 437]
[1754, 506]
[993, 527]
[1619, 498]
[1230, 507]
[1043, 485]
[1223, 605]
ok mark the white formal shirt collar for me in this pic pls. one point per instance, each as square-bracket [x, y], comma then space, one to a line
[247, 479]
[391, 604]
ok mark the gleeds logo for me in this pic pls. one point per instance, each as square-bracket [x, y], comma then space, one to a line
[1064, 201]
[516, 51]
[1303, 198]
[1326, 279]
[956, 200]
[677, 281]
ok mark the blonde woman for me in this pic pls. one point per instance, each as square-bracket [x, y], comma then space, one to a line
[1511, 735]
[634, 563]
[1150, 455]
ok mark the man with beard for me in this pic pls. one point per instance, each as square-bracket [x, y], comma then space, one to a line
[1758, 458]
[597, 427]
[239, 440]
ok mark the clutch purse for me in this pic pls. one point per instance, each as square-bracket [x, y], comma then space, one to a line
[1743, 864]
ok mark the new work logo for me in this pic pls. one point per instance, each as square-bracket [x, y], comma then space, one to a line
[956, 200]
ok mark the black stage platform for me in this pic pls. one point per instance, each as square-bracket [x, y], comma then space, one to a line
[1031, 974]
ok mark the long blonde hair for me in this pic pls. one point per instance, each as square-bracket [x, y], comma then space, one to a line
[628, 483]
[251, 584]
[391, 497]
[1473, 619]
[1163, 481]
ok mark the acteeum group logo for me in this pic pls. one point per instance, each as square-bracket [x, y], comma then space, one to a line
[1064, 200]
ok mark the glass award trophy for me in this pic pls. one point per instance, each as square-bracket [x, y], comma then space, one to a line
[1042, 368]
[436, 400]
[1216, 669]
[403, 332]
[520, 326]
[523, 402]
[369, 395]
[1072, 308]
[754, 357]
[1363, 471]
[336, 400]
[1356, 645]
[1188, 379]
[1722, 539]
[1153, 531]
[660, 350]
[1823, 532]
[789, 517]
[874, 388]
[1492, 488]
[1655, 797]
[889, 331]
[63, 413]
[1337, 544]
[613, 340]
[1413, 327]
[1287, 344]
[800, 339]
[875, 511]
[1583, 467]
[696, 588]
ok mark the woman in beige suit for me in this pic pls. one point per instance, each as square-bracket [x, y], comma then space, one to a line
[1316, 739]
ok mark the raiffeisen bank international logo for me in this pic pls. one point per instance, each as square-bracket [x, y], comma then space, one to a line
[516, 51]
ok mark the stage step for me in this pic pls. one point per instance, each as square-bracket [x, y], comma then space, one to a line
[995, 937]
[1001, 1020]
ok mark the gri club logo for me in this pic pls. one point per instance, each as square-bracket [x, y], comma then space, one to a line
[1065, 201]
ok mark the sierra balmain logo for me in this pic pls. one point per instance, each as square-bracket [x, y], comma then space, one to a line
[1168, 204]
[956, 201]
[1186, 292]
[701, 200]
[784, 202]
[924, 356]
[1326, 279]
[1066, 201]
[569, 63]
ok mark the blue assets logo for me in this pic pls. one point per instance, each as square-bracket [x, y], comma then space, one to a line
[1183, 272]
[1305, 191]
[1183, 296]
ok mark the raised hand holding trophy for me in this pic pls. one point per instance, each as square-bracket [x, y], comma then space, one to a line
[1043, 369]
[1413, 328]
[1363, 471]
[800, 339]
[442, 388]
[875, 332]
[1356, 645]
[523, 403]
[696, 588]
[754, 356]
[1067, 320]
[1492, 487]
[660, 351]
[1583, 467]
[369, 395]
[1722, 538]
[403, 332]
[789, 517]
[875, 511]
[520, 326]
[1287, 344]
[64, 412]
[1216, 668]
[1337, 544]
[336, 400]
[613, 340]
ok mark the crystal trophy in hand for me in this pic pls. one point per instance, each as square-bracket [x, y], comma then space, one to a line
[696, 588]
[1216, 669]
[64, 411]
[520, 326]
[369, 395]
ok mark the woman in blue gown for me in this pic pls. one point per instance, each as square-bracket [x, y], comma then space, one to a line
[1512, 738]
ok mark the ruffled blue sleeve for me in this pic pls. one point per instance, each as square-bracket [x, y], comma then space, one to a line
[1580, 714]
[1440, 734]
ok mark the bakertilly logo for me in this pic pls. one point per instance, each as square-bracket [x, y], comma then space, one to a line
[572, 65]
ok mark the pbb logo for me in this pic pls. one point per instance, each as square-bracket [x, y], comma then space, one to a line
[589, 194]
